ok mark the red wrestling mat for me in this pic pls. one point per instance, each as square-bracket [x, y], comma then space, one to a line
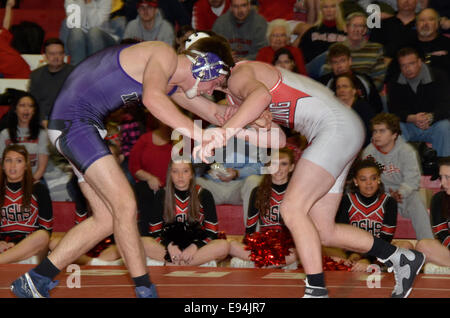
[222, 282]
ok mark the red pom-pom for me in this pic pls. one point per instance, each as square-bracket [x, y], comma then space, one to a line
[97, 249]
[269, 248]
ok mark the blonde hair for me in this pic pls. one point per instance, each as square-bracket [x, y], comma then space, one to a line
[340, 23]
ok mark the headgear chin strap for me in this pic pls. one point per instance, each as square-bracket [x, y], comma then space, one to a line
[205, 66]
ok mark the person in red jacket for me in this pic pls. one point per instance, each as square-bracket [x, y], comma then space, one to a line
[205, 13]
[12, 65]
[278, 34]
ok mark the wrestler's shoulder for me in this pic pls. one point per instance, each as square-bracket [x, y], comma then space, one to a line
[151, 47]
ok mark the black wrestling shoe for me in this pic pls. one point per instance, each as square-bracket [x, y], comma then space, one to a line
[406, 265]
[315, 291]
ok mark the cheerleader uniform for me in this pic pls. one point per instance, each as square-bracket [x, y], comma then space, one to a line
[335, 132]
[270, 221]
[17, 223]
[376, 214]
[440, 224]
[152, 222]
[96, 87]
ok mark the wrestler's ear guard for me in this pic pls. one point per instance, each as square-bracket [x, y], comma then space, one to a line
[206, 66]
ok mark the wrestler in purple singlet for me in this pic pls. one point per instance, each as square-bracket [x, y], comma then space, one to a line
[95, 88]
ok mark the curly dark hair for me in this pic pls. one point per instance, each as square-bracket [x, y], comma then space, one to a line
[360, 164]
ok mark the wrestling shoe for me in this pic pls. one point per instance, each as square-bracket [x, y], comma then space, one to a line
[146, 292]
[33, 285]
[406, 265]
[431, 268]
[315, 291]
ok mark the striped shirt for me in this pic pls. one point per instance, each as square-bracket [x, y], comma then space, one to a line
[367, 58]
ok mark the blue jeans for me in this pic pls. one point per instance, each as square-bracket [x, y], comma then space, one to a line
[438, 135]
[80, 44]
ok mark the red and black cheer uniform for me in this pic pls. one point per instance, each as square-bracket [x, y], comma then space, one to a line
[153, 221]
[440, 221]
[272, 220]
[16, 224]
[376, 214]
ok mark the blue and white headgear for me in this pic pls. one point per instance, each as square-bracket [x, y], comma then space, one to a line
[205, 66]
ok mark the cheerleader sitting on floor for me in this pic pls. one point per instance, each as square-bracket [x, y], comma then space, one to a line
[182, 227]
[272, 245]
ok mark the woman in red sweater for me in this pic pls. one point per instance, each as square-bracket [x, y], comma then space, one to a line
[278, 35]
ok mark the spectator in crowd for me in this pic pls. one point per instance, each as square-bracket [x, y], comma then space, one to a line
[366, 205]
[367, 56]
[264, 212]
[150, 157]
[432, 46]
[24, 128]
[244, 29]
[340, 61]
[283, 58]
[437, 250]
[401, 173]
[206, 12]
[440, 205]
[420, 97]
[328, 29]
[150, 25]
[148, 163]
[94, 32]
[397, 31]
[241, 174]
[346, 91]
[12, 64]
[182, 204]
[26, 229]
[278, 36]
[47, 80]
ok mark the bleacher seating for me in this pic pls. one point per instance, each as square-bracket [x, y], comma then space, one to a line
[21, 84]
[49, 19]
[50, 14]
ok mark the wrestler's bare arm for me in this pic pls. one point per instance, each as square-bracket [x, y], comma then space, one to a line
[243, 84]
[274, 137]
[201, 106]
[160, 67]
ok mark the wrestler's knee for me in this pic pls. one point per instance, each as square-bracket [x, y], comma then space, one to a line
[104, 223]
[126, 210]
[289, 212]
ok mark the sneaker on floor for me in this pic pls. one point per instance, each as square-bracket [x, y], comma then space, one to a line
[431, 268]
[315, 291]
[32, 285]
[146, 292]
[406, 265]
[153, 262]
[240, 263]
[99, 262]
[212, 263]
